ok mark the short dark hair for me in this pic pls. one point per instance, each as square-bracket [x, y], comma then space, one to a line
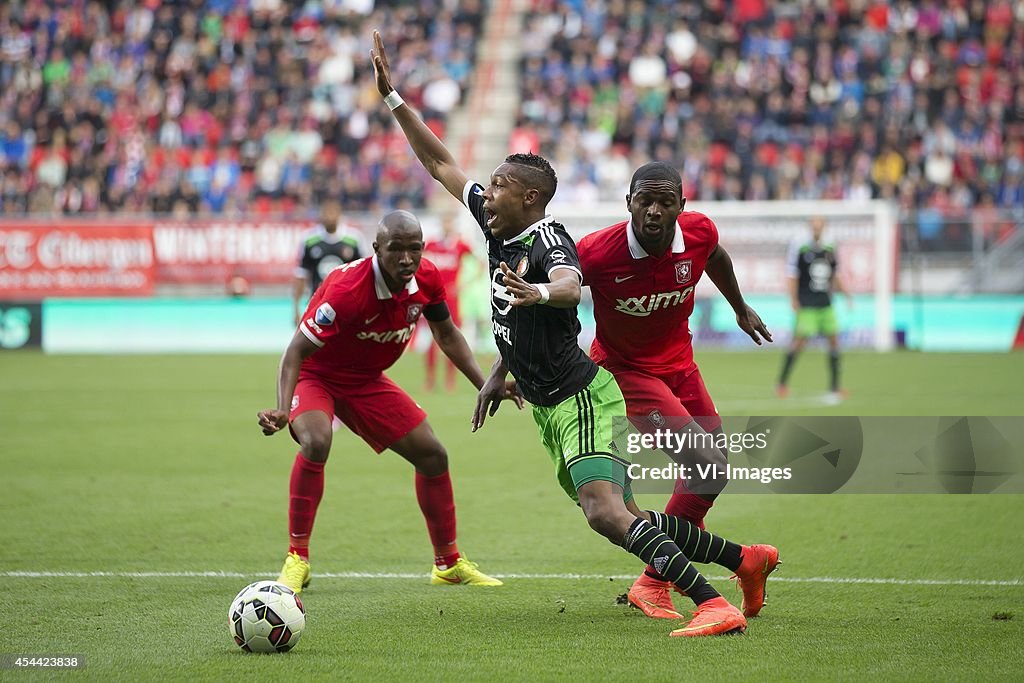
[540, 174]
[656, 170]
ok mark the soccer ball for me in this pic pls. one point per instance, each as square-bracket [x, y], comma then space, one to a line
[266, 616]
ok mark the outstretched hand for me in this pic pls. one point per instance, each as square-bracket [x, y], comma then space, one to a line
[381, 68]
[493, 392]
[272, 421]
[751, 323]
[523, 292]
[513, 394]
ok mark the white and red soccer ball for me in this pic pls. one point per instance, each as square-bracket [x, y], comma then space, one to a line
[266, 616]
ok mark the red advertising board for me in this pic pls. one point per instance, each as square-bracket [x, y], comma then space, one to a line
[210, 253]
[75, 259]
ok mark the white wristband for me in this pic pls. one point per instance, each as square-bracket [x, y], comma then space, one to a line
[393, 100]
[545, 295]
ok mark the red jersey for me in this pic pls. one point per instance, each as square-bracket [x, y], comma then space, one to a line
[359, 325]
[447, 256]
[642, 304]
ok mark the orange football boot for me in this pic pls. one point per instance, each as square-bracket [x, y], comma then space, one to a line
[653, 598]
[712, 618]
[758, 561]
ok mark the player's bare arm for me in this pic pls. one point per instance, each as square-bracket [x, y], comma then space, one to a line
[495, 389]
[794, 296]
[454, 345]
[431, 152]
[299, 285]
[719, 268]
[300, 348]
[449, 337]
[837, 285]
[564, 290]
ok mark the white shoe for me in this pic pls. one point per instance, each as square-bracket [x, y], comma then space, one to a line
[833, 398]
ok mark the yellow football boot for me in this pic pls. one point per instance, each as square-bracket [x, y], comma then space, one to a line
[464, 572]
[295, 574]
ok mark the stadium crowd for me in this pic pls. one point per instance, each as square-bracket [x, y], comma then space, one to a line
[921, 102]
[218, 106]
[267, 106]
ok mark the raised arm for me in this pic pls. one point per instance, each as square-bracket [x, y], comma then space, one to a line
[431, 152]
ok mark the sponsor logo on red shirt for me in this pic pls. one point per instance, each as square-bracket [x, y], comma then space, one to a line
[643, 306]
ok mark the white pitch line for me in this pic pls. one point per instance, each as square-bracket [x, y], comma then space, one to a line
[522, 577]
[741, 405]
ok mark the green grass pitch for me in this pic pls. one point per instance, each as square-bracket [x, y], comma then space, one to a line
[154, 465]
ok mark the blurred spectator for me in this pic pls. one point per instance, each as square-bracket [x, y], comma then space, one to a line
[750, 99]
[218, 106]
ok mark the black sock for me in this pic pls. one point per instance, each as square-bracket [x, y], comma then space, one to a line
[658, 550]
[698, 545]
[833, 364]
[787, 366]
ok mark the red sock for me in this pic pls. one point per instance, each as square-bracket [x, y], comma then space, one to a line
[689, 506]
[305, 490]
[434, 495]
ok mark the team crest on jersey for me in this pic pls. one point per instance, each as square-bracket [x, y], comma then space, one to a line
[324, 315]
[523, 266]
[656, 418]
[413, 313]
[683, 270]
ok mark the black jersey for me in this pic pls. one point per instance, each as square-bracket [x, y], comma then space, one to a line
[322, 251]
[814, 267]
[537, 343]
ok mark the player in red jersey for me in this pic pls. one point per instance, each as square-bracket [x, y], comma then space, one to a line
[356, 326]
[642, 274]
[447, 254]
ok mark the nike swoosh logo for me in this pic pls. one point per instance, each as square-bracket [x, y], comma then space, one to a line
[453, 580]
[665, 609]
[623, 279]
[697, 628]
[370, 320]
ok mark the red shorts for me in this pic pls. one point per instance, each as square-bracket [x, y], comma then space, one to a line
[376, 409]
[663, 398]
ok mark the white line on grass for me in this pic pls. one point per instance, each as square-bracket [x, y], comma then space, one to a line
[727, 407]
[522, 577]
